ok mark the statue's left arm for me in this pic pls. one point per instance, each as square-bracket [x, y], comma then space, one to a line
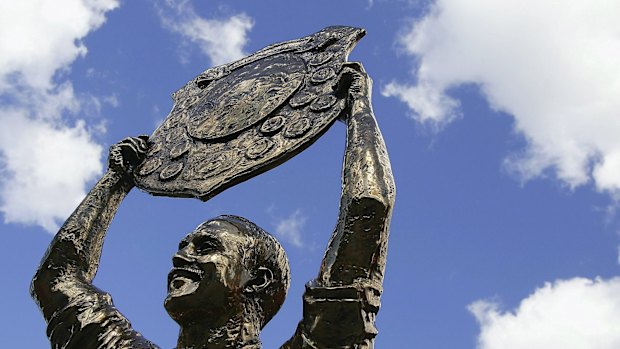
[341, 303]
[357, 249]
[78, 314]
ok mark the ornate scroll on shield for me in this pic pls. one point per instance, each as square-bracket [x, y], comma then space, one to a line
[238, 120]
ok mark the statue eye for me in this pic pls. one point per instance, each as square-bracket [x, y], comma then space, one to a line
[183, 244]
[205, 244]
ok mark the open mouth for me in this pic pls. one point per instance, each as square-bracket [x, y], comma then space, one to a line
[190, 272]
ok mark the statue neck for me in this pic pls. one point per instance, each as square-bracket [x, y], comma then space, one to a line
[239, 332]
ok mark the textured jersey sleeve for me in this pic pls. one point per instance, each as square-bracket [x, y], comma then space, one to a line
[340, 317]
[90, 321]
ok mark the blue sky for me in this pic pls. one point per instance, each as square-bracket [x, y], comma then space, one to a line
[501, 121]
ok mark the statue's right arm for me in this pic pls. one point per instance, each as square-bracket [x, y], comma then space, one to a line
[76, 311]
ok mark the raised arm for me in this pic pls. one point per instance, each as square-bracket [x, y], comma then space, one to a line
[62, 286]
[341, 303]
[357, 249]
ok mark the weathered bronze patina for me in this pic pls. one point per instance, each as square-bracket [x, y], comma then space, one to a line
[237, 120]
[230, 277]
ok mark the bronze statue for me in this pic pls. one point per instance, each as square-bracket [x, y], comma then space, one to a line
[229, 276]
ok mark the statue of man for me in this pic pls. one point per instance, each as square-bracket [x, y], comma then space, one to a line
[230, 277]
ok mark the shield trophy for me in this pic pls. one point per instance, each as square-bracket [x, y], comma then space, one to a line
[235, 121]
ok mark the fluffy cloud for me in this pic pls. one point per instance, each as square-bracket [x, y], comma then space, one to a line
[290, 228]
[47, 155]
[48, 168]
[552, 65]
[572, 314]
[38, 37]
[222, 40]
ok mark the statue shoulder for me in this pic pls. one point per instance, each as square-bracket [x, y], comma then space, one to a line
[90, 320]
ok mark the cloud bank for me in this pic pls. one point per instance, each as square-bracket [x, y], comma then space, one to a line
[47, 154]
[552, 65]
[571, 314]
[222, 40]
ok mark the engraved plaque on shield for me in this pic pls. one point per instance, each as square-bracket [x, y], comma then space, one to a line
[235, 121]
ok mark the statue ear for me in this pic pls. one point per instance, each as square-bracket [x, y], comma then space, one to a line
[263, 277]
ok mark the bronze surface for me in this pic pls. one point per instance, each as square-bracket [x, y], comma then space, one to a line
[237, 120]
[229, 277]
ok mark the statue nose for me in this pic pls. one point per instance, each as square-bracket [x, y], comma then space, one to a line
[181, 259]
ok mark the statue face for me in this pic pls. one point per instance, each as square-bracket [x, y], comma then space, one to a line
[209, 271]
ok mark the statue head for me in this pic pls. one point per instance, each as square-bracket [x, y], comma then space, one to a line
[227, 267]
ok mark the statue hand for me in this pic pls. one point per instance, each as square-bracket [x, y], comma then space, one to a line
[360, 83]
[127, 154]
[359, 87]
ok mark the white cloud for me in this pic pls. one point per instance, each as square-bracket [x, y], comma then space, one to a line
[46, 154]
[570, 314]
[48, 167]
[222, 40]
[550, 64]
[39, 37]
[290, 228]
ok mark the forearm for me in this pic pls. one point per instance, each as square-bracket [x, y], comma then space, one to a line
[367, 173]
[73, 255]
[80, 239]
[357, 249]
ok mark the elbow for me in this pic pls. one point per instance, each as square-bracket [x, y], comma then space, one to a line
[371, 212]
[53, 286]
[387, 193]
[40, 284]
[369, 178]
[379, 207]
[376, 190]
[44, 290]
